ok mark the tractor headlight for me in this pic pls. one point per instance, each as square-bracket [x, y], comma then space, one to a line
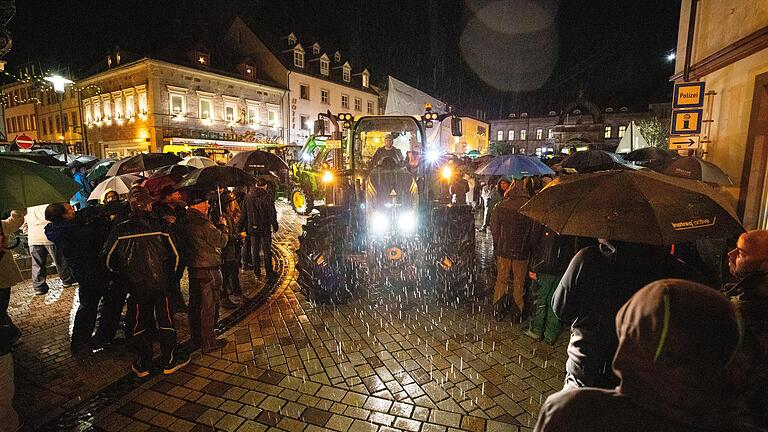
[327, 177]
[379, 223]
[407, 222]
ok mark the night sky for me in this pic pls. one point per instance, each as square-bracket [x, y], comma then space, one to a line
[497, 56]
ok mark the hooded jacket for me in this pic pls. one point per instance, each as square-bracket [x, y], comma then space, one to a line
[259, 213]
[677, 341]
[510, 228]
[200, 241]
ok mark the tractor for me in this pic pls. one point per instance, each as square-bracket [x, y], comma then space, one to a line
[385, 221]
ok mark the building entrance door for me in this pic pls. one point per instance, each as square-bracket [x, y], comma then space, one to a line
[753, 196]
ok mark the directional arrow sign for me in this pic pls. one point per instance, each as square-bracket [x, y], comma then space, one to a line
[683, 142]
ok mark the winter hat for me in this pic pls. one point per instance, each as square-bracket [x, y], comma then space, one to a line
[196, 198]
[139, 200]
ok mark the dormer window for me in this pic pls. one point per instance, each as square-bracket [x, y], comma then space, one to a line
[316, 49]
[298, 58]
[337, 56]
[109, 61]
[346, 73]
[291, 39]
[366, 79]
[118, 57]
[325, 66]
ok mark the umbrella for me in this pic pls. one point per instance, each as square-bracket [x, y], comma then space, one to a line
[633, 206]
[45, 151]
[84, 160]
[473, 154]
[99, 170]
[177, 170]
[518, 166]
[142, 162]
[197, 162]
[594, 160]
[28, 184]
[257, 160]
[215, 177]
[698, 169]
[69, 156]
[648, 154]
[120, 184]
[156, 183]
[41, 159]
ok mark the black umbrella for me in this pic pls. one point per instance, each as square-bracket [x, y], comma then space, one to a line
[257, 160]
[39, 158]
[594, 160]
[142, 162]
[634, 206]
[648, 154]
[214, 177]
[694, 168]
[175, 170]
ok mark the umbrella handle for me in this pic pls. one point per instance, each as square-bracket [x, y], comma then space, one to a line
[218, 194]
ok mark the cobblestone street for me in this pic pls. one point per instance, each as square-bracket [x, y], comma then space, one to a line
[385, 361]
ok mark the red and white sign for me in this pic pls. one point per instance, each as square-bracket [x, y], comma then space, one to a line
[24, 142]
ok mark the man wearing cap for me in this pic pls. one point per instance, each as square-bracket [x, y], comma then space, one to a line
[143, 253]
[201, 242]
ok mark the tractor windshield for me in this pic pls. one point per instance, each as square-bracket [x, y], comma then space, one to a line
[370, 133]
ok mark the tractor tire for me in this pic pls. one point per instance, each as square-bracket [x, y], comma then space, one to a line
[302, 201]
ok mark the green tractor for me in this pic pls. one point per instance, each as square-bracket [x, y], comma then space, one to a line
[384, 220]
[307, 176]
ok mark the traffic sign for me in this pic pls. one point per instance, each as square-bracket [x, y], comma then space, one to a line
[24, 142]
[688, 95]
[684, 142]
[332, 144]
[686, 122]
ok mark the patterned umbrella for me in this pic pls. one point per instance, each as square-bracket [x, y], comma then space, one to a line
[517, 166]
[197, 162]
[142, 162]
[120, 184]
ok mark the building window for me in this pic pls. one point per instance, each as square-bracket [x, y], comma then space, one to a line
[253, 115]
[607, 133]
[345, 101]
[366, 80]
[12, 128]
[304, 92]
[129, 110]
[523, 134]
[64, 123]
[304, 122]
[325, 96]
[324, 67]
[298, 58]
[315, 49]
[511, 135]
[337, 56]
[74, 119]
[358, 104]
[229, 113]
[346, 74]
[500, 135]
[58, 124]
[106, 106]
[550, 133]
[96, 112]
[45, 127]
[272, 117]
[370, 107]
[622, 129]
[177, 103]
[206, 109]
[118, 107]
[142, 102]
[26, 122]
[34, 121]
[291, 39]
[539, 133]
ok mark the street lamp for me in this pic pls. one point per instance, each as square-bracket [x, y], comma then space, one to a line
[58, 82]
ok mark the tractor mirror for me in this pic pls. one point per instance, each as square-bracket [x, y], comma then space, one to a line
[456, 126]
[319, 127]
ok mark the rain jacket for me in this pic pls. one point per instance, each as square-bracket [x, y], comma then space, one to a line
[143, 254]
[510, 228]
[36, 226]
[597, 282]
[9, 271]
[200, 241]
[81, 197]
[550, 253]
[259, 213]
[677, 341]
[80, 241]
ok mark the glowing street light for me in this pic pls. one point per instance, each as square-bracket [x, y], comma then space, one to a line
[671, 56]
[58, 82]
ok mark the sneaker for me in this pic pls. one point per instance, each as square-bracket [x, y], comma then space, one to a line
[139, 369]
[531, 334]
[41, 290]
[178, 361]
[68, 284]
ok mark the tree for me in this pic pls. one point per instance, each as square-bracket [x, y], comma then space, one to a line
[654, 131]
[501, 148]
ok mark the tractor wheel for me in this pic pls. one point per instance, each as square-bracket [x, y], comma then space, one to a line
[302, 201]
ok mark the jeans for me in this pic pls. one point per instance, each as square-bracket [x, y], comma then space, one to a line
[518, 271]
[9, 420]
[89, 294]
[149, 315]
[39, 254]
[204, 287]
[262, 241]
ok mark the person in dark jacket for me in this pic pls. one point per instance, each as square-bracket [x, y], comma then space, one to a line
[677, 344]
[387, 151]
[459, 189]
[230, 254]
[259, 221]
[142, 253]
[170, 207]
[748, 262]
[80, 237]
[597, 282]
[200, 243]
[550, 255]
[510, 230]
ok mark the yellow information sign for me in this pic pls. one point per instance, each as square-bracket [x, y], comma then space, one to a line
[688, 95]
[686, 122]
[332, 144]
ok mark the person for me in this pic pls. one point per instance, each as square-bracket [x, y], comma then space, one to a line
[170, 207]
[80, 239]
[230, 254]
[39, 250]
[550, 255]
[200, 243]
[598, 280]
[9, 275]
[510, 230]
[459, 189]
[387, 151]
[260, 216]
[142, 253]
[748, 263]
[492, 194]
[677, 342]
[80, 199]
[110, 196]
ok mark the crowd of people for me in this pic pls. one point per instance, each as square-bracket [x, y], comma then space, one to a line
[130, 255]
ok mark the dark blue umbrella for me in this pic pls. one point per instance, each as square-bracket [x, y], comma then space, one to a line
[594, 160]
[517, 166]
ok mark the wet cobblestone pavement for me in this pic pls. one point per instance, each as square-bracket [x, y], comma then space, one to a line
[387, 360]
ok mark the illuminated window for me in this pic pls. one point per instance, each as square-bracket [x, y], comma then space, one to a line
[106, 107]
[74, 119]
[622, 129]
[316, 49]
[58, 124]
[304, 120]
[304, 92]
[325, 96]
[291, 39]
[370, 107]
[298, 58]
[229, 112]
[97, 111]
[523, 134]
[176, 103]
[500, 135]
[345, 101]
[118, 107]
[358, 104]
[539, 133]
[346, 73]
[366, 79]
[143, 102]
[129, 109]
[324, 67]
[206, 109]
[253, 115]
[337, 56]
[607, 133]
[511, 135]
[272, 117]
[550, 133]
